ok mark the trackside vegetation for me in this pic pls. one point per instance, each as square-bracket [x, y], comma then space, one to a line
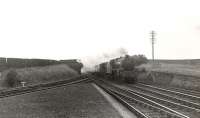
[12, 79]
[36, 75]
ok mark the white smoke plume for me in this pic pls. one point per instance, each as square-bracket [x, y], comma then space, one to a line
[90, 62]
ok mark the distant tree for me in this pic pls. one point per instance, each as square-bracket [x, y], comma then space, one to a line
[12, 79]
[140, 59]
[75, 64]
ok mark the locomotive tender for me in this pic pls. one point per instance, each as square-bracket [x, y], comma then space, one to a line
[111, 68]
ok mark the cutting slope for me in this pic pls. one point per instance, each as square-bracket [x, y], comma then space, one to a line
[35, 75]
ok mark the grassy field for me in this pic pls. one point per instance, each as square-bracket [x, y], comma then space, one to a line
[35, 75]
[178, 67]
[75, 101]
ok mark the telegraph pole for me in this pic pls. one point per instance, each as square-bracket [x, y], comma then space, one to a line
[152, 43]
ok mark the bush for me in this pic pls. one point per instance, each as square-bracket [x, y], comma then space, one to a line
[12, 79]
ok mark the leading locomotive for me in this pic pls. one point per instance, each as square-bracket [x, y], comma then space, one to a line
[122, 68]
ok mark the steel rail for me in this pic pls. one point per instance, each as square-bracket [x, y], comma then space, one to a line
[40, 87]
[161, 107]
[179, 100]
[188, 111]
[181, 90]
[171, 91]
[137, 112]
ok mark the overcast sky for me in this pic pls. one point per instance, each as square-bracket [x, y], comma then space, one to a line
[61, 29]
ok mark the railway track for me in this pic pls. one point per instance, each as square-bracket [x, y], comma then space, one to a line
[140, 105]
[39, 87]
[182, 95]
[186, 108]
[167, 96]
[188, 111]
[144, 101]
[190, 92]
[175, 90]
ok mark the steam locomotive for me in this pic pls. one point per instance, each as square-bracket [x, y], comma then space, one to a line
[113, 69]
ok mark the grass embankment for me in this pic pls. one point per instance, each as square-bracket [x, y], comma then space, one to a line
[74, 101]
[35, 75]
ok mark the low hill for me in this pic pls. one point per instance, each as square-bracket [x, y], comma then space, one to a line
[8, 63]
[178, 61]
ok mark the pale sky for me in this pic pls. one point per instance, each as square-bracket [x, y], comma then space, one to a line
[64, 29]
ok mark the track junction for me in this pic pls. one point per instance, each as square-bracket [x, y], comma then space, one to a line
[145, 101]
